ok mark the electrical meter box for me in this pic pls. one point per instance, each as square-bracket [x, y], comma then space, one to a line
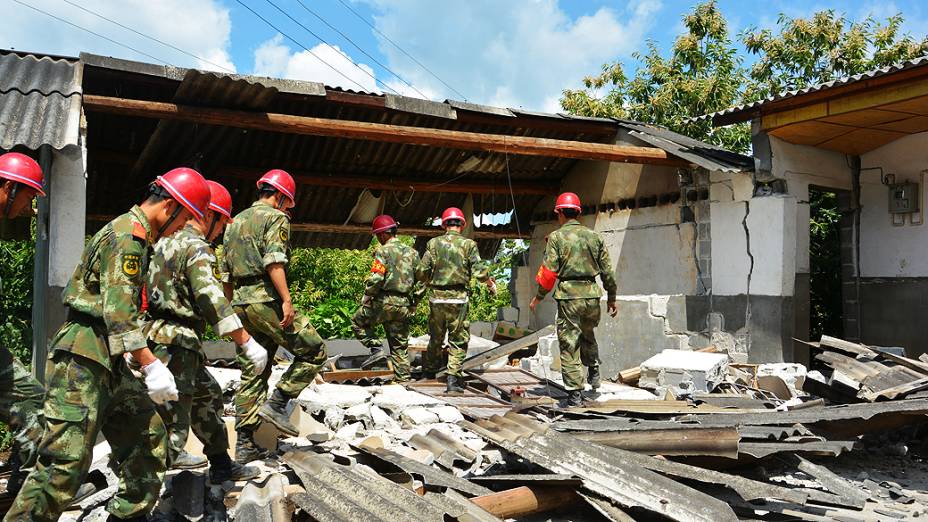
[903, 198]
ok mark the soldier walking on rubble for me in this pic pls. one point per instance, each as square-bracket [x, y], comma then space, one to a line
[90, 386]
[21, 395]
[256, 253]
[390, 298]
[447, 266]
[184, 292]
[575, 255]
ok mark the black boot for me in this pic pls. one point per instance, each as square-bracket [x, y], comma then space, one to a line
[140, 518]
[455, 385]
[186, 460]
[275, 412]
[245, 448]
[222, 468]
[574, 398]
[17, 475]
[592, 376]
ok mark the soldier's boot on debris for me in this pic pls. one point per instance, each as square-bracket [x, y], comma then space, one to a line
[592, 376]
[455, 385]
[275, 412]
[378, 355]
[222, 468]
[185, 460]
[574, 398]
[17, 475]
[246, 450]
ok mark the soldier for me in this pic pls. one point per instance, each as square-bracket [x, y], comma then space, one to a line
[90, 386]
[21, 395]
[447, 266]
[184, 293]
[256, 252]
[576, 255]
[390, 298]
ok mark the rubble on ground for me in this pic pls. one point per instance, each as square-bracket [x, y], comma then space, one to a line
[684, 436]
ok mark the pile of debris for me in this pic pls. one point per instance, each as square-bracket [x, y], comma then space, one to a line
[687, 435]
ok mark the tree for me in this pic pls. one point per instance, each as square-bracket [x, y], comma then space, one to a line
[703, 74]
[825, 47]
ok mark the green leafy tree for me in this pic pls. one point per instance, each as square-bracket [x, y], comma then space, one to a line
[822, 48]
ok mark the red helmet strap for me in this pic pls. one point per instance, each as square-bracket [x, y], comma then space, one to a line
[10, 199]
[177, 210]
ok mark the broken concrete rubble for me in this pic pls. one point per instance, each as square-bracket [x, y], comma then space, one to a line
[683, 372]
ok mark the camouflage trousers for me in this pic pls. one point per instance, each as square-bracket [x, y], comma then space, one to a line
[450, 319]
[262, 320]
[576, 319]
[199, 403]
[395, 321]
[21, 398]
[84, 399]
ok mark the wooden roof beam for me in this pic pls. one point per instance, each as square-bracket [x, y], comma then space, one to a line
[291, 124]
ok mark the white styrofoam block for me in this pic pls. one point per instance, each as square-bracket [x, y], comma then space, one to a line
[683, 372]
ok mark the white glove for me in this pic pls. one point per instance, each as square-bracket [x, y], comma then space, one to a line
[160, 382]
[256, 354]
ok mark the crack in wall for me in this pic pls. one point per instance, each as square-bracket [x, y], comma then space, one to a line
[747, 306]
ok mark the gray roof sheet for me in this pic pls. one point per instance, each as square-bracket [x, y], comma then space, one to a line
[40, 101]
[749, 108]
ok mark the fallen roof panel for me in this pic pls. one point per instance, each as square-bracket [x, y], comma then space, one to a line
[430, 475]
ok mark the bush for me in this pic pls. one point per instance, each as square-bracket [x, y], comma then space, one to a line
[16, 306]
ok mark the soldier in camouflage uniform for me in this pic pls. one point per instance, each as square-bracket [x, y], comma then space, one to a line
[575, 255]
[256, 250]
[184, 293]
[90, 386]
[390, 298]
[447, 266]
[21, 395]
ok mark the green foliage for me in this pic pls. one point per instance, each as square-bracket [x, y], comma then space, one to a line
[16, 297]
[825, 255]
[703, 72]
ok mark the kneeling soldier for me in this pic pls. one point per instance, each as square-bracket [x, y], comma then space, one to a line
[390, 299]
[184, 293]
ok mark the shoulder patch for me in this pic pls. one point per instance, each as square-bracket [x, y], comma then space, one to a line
[378, 268]
[139, 231]
[216, 273]
[284, 235]
[131, 264]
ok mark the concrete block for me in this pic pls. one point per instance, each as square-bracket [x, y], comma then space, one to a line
[509, 314]
[418, 416]
[483, 329]
[793, 374]
[350, 431]
[682, 372]
[447, 414]
[266, 436]
[219, 350]
[548, 346]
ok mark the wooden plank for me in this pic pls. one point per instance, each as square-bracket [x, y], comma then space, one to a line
[291, 124]
[492, 354]
[526, 500]
[846, 346]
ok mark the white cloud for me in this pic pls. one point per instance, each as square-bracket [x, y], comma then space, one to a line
[516, 54]
[326, 64]
[200, 27]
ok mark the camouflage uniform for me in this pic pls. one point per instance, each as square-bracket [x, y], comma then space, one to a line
[184, 293]
[577, 255]
[447, 266]
[391, 293]
[21, 399]
[90, 387]
[258, 237]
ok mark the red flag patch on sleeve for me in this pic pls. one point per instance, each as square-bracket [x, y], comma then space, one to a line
[139, 231]
[546, 278]
[144, 298]
[378, 268]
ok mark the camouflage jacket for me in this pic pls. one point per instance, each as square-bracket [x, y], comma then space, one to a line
[393, 275]
[448, 264]
[577, 255]
[105, 291]
[184, 292]
[259, 236]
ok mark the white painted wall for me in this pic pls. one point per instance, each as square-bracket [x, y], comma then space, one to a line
[886, 250]
[67, 208]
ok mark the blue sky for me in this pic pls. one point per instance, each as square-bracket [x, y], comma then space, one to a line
[516, 53]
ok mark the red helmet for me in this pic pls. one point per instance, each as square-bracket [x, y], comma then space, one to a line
[452, 213]
[22, 169]
[382, 223]
[567, 200]
[219, 199]
[280, 180]
[188, 188]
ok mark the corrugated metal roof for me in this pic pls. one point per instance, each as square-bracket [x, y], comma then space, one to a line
[608, 472]
[749, 109]
[40, 101]
[431, 476]
[707, 156]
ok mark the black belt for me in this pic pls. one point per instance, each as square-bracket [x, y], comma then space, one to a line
[449, 287]
[589, 279]
[84, 319]
[250, 280]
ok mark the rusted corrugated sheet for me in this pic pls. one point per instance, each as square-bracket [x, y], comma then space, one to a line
[605, 471]
[431, 476]
[40, 101]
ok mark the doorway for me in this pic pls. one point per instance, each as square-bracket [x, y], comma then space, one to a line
[830, 260]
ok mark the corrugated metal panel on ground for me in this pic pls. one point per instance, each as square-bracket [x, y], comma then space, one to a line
[508, 378]
[605, 471]
[40, 102]
[431, 476]
[473, 403]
